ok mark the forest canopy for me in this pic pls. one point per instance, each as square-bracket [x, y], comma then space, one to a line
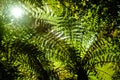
[59, 40]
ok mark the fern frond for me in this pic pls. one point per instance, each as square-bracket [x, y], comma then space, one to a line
[32, 52]
[107, 58]
[43, 12]
[54, 42]
[98, 48]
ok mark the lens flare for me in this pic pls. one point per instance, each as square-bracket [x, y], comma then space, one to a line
[17, 12]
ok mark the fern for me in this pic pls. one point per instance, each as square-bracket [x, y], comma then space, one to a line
[48, 38]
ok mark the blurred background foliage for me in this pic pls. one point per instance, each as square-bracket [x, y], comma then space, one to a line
[60, 40]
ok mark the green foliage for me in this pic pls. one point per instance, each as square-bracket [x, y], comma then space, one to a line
[60, 40]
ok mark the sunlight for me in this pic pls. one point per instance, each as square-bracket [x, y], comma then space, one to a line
[17, 12]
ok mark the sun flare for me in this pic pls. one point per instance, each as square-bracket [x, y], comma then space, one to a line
[17, 12]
